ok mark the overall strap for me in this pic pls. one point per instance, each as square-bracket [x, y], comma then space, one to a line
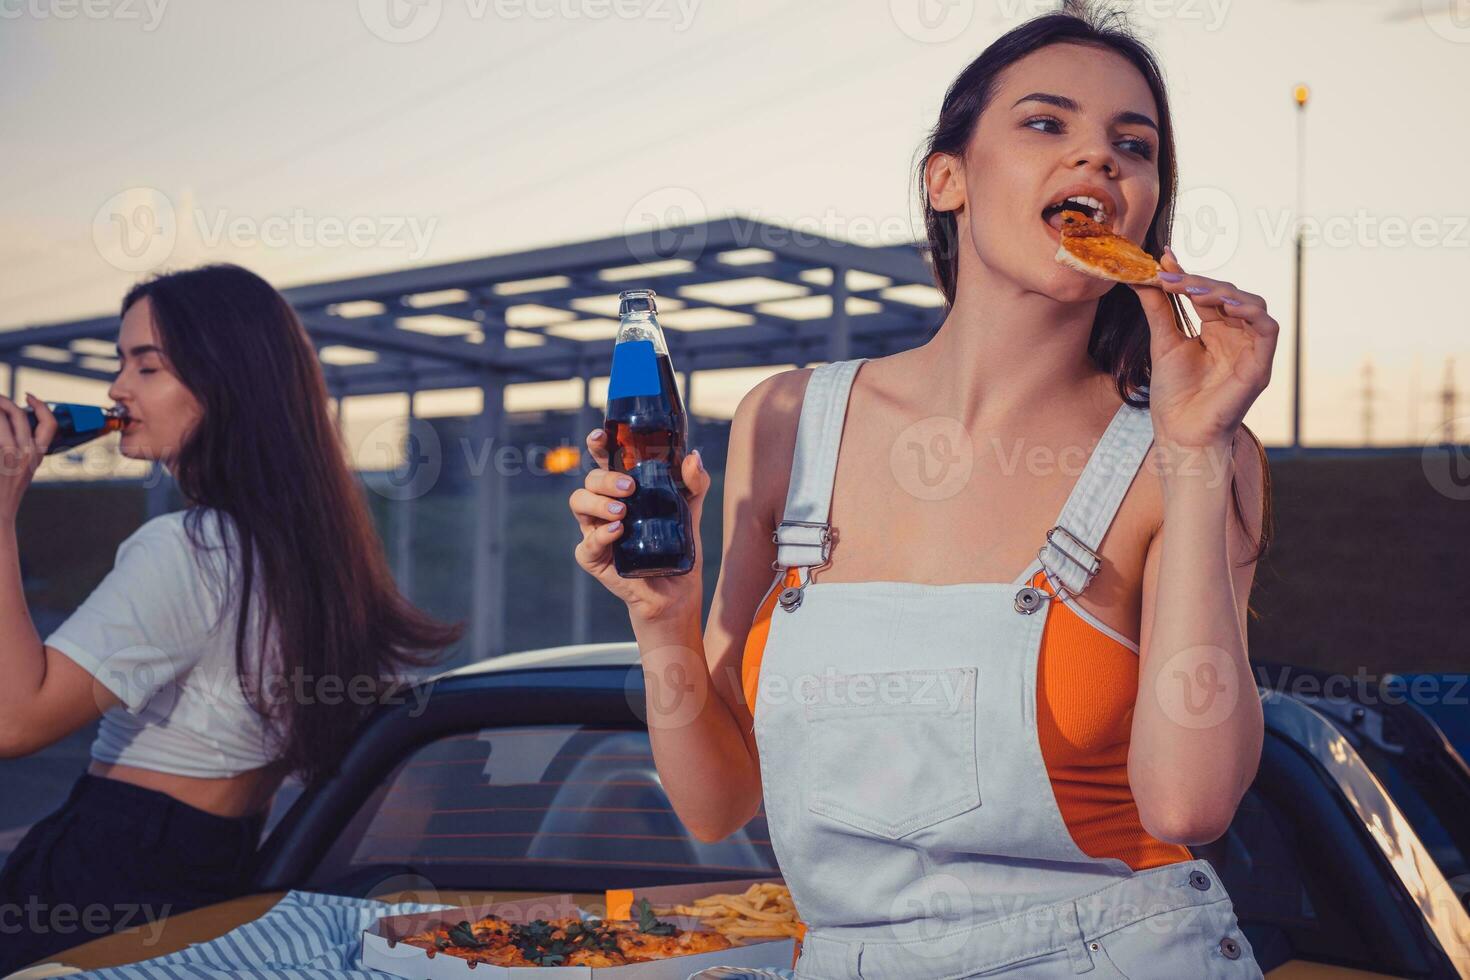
[1069, 555]
[804, 536]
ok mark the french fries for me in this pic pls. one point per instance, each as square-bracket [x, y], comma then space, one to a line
[764, 910]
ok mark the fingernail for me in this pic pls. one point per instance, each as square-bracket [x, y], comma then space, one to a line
[1171, 276]
[699, 458]
[615, 507]
[624, 483]
[1231, 301]
[1196, 290]
[597, 433]
[614, 525]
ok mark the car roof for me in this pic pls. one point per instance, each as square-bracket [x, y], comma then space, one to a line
[620, 654]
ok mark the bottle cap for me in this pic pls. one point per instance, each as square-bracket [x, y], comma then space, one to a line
[636, 301]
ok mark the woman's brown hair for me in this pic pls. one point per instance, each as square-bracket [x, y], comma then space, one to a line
[1119, 343]
[266, 454]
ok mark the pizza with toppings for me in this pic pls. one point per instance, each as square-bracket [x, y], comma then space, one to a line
[1091, 247]
[568, 941]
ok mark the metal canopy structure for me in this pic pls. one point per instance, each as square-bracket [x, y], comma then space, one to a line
[733, 293]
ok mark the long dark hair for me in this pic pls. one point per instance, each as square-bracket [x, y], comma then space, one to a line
[1119, 343]
[267, 455]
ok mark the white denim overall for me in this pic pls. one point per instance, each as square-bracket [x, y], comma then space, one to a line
[908, 802]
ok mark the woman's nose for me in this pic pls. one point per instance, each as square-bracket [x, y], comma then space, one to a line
[1101, 160]
[1098, 153]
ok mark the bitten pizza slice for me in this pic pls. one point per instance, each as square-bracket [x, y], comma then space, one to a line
[1090, 247]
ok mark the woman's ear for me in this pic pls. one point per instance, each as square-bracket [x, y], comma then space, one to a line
[945, 179]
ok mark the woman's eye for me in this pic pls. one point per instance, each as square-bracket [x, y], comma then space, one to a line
[147, 370]
[1142, 147]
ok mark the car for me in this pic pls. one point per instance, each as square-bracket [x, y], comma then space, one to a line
[532, 774]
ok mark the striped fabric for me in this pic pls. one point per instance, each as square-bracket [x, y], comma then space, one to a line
[304, 936]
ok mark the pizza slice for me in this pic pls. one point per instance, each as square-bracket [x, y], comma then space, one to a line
[640, 947]
[566, 941]
[1090, 247]
[487, 940]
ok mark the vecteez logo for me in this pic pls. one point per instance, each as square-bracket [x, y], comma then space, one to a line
[1206, 228]
[423, 458]
[1450, 19]
[406, 21]
[1446, 460]
[665, 224]
[148, 13]
[400, 21]
[932, 21]
[135, 230]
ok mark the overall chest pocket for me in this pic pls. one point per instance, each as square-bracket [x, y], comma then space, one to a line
[892, 753]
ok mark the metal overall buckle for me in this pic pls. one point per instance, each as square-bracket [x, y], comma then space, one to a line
[791, 596]
[1029, 598]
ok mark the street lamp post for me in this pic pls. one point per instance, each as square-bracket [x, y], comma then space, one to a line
[1300, 94]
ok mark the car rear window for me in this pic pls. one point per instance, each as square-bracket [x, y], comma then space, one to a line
[540, 808]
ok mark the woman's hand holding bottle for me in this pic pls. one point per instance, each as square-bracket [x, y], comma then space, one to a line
[21, 450]
[599, 511]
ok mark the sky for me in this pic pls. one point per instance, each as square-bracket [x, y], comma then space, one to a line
[318, 139]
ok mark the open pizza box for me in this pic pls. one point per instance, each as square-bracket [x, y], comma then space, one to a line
[382, 951]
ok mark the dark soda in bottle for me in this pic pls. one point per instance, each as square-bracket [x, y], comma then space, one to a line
[647, 431]
[77, 424]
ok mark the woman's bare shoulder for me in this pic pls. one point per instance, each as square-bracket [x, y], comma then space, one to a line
[763, 436]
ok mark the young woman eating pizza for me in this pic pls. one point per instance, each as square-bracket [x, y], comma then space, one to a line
[999, 684]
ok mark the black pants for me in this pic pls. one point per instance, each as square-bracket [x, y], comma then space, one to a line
[116, 856]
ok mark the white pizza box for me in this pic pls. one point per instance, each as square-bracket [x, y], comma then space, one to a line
[382, 951]
[620, 901]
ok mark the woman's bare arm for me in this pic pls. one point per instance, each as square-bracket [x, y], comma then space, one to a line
[698, 721]
[1197, 726]
[43, 695]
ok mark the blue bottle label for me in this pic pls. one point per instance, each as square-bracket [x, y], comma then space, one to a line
[86, 418]
[634, 370]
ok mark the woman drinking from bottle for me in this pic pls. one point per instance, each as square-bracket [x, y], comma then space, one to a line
[998, 685]
[218, 649]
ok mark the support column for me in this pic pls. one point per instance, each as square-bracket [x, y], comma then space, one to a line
[403, 516]
[839, 337]
[589, 417]
[490, 488]
[688, 394]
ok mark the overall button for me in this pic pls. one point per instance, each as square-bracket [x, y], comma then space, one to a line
[790, 598]
[1230, 948]
[1028, 600]
[1199, 880]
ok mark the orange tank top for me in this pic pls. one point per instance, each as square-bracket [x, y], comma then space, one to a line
[1086, 684]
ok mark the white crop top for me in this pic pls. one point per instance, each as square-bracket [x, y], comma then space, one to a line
[152, 633]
